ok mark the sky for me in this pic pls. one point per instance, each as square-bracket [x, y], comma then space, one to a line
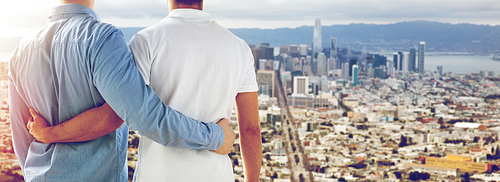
[19, 17]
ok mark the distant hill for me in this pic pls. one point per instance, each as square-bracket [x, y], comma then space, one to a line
[444, 37]
[438, 36]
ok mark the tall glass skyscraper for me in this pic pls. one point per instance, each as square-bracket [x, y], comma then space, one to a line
[355, 75]
[421, 52]
[317, 44]
[333, 47]
[412, 60]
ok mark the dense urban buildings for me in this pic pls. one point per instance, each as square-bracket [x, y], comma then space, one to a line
[421, 57]
[355, 116]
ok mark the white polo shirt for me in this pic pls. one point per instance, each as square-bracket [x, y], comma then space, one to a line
[197, 67]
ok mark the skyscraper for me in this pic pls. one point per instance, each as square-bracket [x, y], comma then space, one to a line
[333, 48]
[390, 68]
[440, 70]
[266, 79]
[317, 44]
[412, 60]
[303, 49]
[395, 59]
[321, 66]
[284, 50]
[421, 52]
[345, 70]
[267, 52]
[353, 61]
[379, 60]
[404, 62]
[332, 63]
[294, 50]
[400, 61]
[300, 84]
[355, 75]
[256, 57]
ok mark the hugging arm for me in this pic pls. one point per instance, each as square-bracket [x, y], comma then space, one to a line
[89, 125]
[123, 88]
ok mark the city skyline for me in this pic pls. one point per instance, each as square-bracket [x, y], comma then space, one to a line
[19, 18]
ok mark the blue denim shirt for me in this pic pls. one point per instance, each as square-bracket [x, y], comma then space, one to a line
[74, 63]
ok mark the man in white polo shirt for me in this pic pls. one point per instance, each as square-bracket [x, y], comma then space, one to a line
[197, 67]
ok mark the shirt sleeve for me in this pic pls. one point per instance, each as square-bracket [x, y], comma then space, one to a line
[249, 81]
[123, 88]
[141, 54]
[19, 115]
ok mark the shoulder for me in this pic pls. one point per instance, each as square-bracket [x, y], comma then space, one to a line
[101, 29]
[230, 36]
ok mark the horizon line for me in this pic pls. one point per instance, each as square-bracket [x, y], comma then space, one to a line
[353, 23]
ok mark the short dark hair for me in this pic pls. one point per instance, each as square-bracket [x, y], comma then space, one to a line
[188, 2]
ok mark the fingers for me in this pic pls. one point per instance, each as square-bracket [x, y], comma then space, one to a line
[30, 122]
[33, 113]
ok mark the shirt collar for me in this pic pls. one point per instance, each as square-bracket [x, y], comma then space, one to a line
[69, 10]
[189, 14]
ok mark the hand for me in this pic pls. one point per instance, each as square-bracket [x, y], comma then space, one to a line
[229, 137]
[37, 126]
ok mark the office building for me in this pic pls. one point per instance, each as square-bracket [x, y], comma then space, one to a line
[297, 64]
[390, 68]
[412, 60]
[317, 44]
[321, 64]
[266, 79]
[404, 62]
[440, 70]
[262, 64]
[331, 64]
[284, 50]
[380, 72]
[353, 61]
[267, 52]
[421, 59]
[300, 85]
[287, 62]
[379, 60]
[333, 48]
[400, 60]
[303, 50]
[487, 73]
[395, 59]
[355, 75]
[345, 70]
[370, 71]
[294, 50]
[256, 57]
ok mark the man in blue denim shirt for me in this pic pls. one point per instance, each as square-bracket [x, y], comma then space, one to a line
[75, 63]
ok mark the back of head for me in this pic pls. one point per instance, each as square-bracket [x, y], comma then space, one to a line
[188, 2]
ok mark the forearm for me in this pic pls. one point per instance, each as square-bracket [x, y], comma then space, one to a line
[89, 125]
[250, 137]
[251, 151]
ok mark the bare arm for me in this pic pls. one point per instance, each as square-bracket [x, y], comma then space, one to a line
[251, 142]
[89, 125]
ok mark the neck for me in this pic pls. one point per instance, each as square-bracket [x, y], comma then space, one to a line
[173, 6]
[88, 3]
